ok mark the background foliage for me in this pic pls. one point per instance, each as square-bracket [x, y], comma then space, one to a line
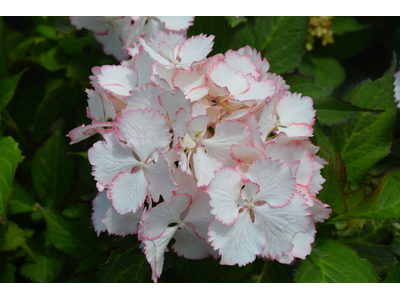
[46, 188]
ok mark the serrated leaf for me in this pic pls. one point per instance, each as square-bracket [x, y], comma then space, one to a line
[72, 236]
[327, 71]
[7, 88]
[306, 86]
[383, 203]
[381, 256]
[393, 275]
[10, 157]
[46, 31]
[20, 201]
[52, 171]
[344, 24]
[125, 266]
[72, 45]
[49, 263]
[365, 140]
[13, 237]
[216, 26]
[341, 264]
[332, 110]
[47, 55]
[280, 38]
[234, 21]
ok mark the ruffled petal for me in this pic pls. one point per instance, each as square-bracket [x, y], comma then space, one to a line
[100, 206]
[121, 224]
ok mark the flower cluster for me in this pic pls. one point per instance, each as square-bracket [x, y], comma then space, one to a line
[116, 34]
[211, 152]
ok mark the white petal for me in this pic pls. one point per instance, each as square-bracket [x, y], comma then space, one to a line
[122, 224]
[305, 171]
[320, 211]
[100, 206]
[267, 120]
[258, 90]
[298, 130]
[118, 79]
[160, 177]
[302, 242]
[142, 65]
[292, 108]
[179, 126]
[238, 243]
[187, 81]
[174, 102]
[155, 250]
[195, 49]
[128, 191]
[144, 130]
[163, 75]
[246, 153]
[317, 180]
[187, 185]
[204, 166]
[109, 158]
[275, 180]
[95, 24]
[241, 63]
[281, 224]
[83, 132]
[177, 23]
[224, 76]
[145, 97]
[197, 126]
[100, 109]
[282, 153]
[224, 191]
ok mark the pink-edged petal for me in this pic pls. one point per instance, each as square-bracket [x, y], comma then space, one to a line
[227, 134]
[238, 243]
[154, 53]
[197, 126]
[258, 90]
[298, 130]
[241, 63]
[187, 185]
[320, 211]
[275, 179]
[199, 214]
[306, 170]
[224, 76]
[156, 220]
[292, 108]
[195, 49]
[197, 93]
[246, 153]
[176, 23]
[128, 191]
[85, 131]
[142, 65]
[109, 158]
[396, 89]
[317, 180]
[155, 249]
[163, 76]
[256, 134]
[161, 183]
[249, 191]
[179, 125]
[253, 54]
[118, 79]
[267, 120]
[286, 259]
[306, 193]
[224, 191]
[100, 109]
[282, 153]
[145, 97]
[121, 224]
[281, 224]
[175, 102]
[144, 130]
[165, 51]
[204, 166]
[100, 206]
[170, 38]
[190, 246]
[302, 242]
[187, 81]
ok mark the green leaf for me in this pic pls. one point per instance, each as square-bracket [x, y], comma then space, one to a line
[7, 88]
[383, 202]
[80, 210]
[341, 25]
[332, 110]
[10, 157]
[365, 140]
[273, 272]
[21, 201]
[91, 262]
[334, 173]
[381, 256]
[63, 25]
[12, 238]
[46, 31]
[341, 264]
[52, 171]
[216, 26]
[46, 54]
[3, 66]
[393, 275]
[327, 71]
[49, 263]
[7, 271]
[306, 86]
[125, 266]
[72, 45]
[72, 236]
[234, 21]
[280, 38]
